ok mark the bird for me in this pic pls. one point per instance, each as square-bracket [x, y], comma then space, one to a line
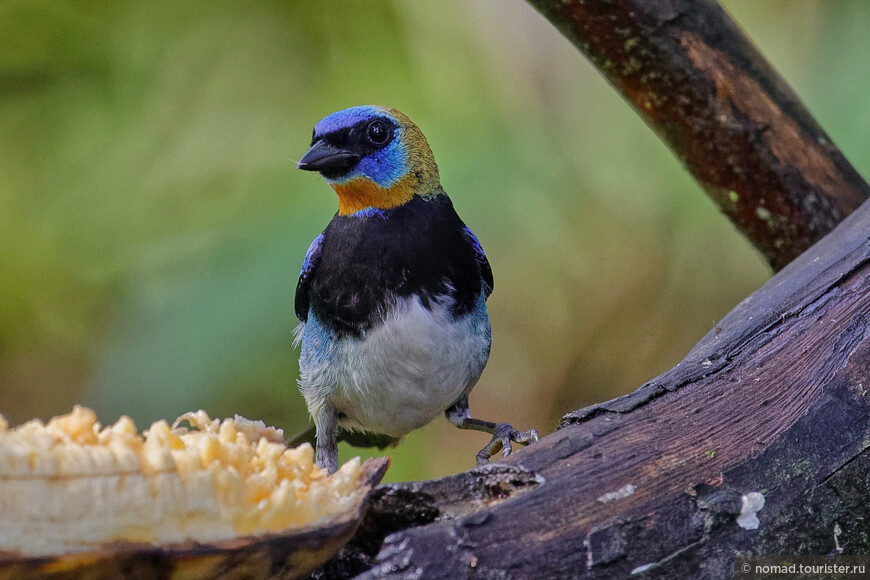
[394, 329]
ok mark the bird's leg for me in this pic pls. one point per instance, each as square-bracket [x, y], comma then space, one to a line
[502, 433]
[327, 442]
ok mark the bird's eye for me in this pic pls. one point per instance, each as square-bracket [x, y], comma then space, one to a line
[378, 132]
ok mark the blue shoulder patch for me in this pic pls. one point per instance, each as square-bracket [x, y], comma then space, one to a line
[312, 257]
[482, 262]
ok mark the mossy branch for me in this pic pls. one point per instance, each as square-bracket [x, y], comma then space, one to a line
[705, 89]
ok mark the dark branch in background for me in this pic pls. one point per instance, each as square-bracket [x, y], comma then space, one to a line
[701, 85]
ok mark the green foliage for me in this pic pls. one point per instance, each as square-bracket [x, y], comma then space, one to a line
[152, 223]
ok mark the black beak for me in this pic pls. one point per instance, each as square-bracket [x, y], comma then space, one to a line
[328, 160]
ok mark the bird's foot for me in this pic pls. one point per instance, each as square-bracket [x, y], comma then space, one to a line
[502, 437]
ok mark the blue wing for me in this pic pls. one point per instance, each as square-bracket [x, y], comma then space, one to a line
[312, 257]
[482, 262]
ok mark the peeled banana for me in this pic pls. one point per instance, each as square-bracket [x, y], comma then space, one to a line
[71, 486]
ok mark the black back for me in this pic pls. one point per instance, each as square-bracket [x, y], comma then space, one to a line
[364, 262]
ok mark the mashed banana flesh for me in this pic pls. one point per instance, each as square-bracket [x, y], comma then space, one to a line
[71, 485]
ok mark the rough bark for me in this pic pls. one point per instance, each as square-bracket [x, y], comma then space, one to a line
[700, 84]
[773, 400]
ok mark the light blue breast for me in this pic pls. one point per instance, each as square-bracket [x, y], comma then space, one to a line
[318, 343]
[478, 324]
[401, 374]
[321, 346]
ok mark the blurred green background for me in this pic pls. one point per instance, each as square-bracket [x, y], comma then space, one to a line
[152, 222]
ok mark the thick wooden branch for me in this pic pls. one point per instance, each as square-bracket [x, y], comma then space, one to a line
[700, 84]
[774, 401]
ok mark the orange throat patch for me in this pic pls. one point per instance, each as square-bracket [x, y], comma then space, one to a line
[361, 193]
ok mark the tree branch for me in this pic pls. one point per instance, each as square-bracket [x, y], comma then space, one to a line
[700, 84]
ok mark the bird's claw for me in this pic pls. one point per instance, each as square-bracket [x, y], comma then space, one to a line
[501, 441]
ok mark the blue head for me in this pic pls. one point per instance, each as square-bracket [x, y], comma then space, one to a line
[372, 157]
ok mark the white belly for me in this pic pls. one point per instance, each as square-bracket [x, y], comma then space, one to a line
[401, 374]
